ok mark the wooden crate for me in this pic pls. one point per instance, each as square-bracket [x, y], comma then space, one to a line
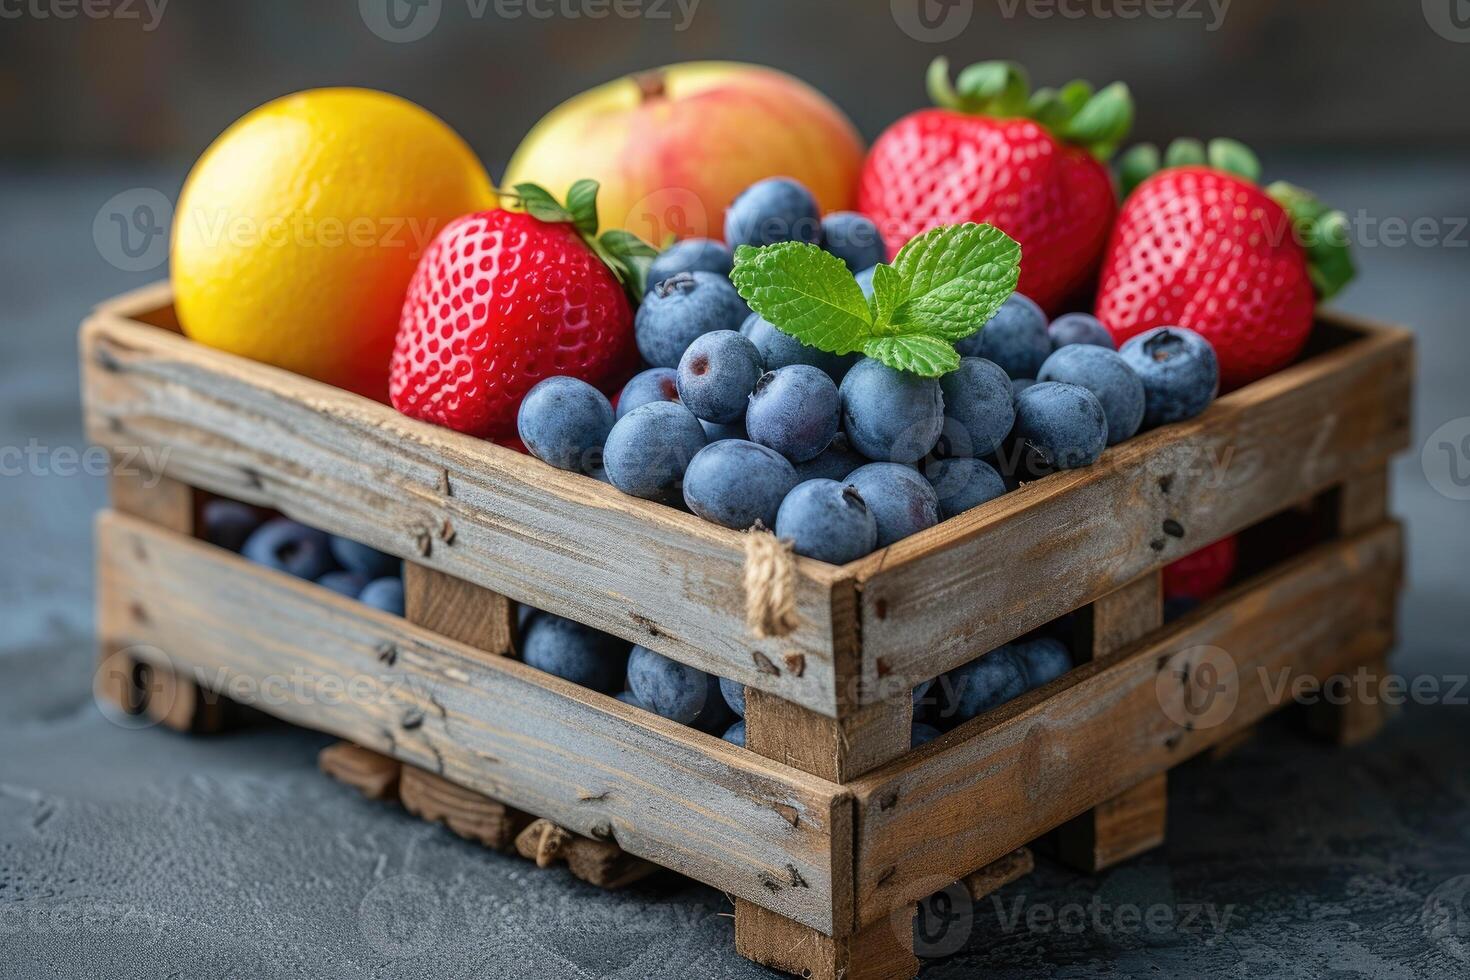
[828, 828]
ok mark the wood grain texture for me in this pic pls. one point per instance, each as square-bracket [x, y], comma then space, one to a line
[997, 874]
[600, 863]
[460, 610]
[468, 814]
[1127, 614]
[372, 774]
[881, 951]
[1061, 542]
[1353, 708]
[685, 800]
[1131, 823]
[480, 512]
[1001, 780]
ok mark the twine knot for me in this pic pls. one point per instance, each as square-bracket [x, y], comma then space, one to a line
[770, 584]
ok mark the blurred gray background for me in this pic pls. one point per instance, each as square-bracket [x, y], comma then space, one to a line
[233, 857]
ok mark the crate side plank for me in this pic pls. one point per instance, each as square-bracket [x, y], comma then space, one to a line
[991, 786]
[687, 801]
[950, 594]
[463, 506]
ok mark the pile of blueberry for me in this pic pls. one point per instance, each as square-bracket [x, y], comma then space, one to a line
[340, 564]
[743, 424]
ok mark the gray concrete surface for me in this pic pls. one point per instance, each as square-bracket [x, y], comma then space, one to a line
[146, 854]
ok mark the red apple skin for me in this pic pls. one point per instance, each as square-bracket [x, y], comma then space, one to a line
[672, 147]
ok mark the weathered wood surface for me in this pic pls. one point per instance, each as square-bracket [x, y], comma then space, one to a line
[881, 951]
[597, 862]
[685, 800]
[372, 774]
[997, 874]
[943, 597]
[473, 816]
[460, 610]
[999, 781]
[489, 515]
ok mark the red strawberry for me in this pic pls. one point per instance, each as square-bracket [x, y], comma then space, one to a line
[503, 299]
[1203, 574]
[1201, 246]
[993, 152]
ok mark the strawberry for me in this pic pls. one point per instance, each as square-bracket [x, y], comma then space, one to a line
[1203, 574]
[1198, 244]
[994, 153]
[503, 299]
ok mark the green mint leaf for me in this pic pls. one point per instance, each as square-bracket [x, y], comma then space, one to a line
[539, 204]
[957, 277]
[889, 290]
[582, 205]
[806, 292]
[918, 354]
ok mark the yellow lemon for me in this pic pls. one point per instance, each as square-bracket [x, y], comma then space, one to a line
[298, 230]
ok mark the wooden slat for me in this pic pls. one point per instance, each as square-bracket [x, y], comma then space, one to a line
[372, 774]
[881, 951]
[943, 597]
[685, 800]
[997, 874]
[504, 521]
[997, 782]
[458, 609]
[473, 816]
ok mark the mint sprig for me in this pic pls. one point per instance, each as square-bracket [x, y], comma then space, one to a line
[942, 287]
[627, 255]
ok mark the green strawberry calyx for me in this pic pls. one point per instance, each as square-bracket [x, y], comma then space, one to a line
[943, 286]
[1097, 121]
[1321, 231]
[623, 252]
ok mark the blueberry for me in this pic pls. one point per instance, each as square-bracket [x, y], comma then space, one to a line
[854, 239]
[648, 450]
[865, 280]
[1015, 338]
[349, 584]
[962, 484]
[828, 521]
[691, 255]
[979, 398]
[717, 374]
[524, 614]
[777, 209]
[921, 690]
[684, 306]
[980, 685]
[795, 410]
[676, 691]
[660, 384]
[780, 349]
[902, 501]
[734, 694]
[1042, 660]
[736, 483]
[1079, 328]
[1179, 372]
[833, 463]
[229, 523]
[290, 547]
[921, 734]
[1019, 385]
[368, 562]
[891, 416]
[735, 734]
[715, 431]
[575, 652]
[385, 594]
[628, 697]
[564, 421]
[1104, 373]
[1063, 424]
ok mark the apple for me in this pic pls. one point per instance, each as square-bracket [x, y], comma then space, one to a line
[673, 146]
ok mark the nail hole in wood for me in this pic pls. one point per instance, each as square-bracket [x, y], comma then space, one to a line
[1166, 482]
[796, 663]
[764, 665]
[413, 718]
[880, 609]
[139, 614]
[387, 653]
[1173, 528]
[1157, 544]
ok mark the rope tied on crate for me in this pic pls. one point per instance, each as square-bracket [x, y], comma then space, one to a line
[770, 584]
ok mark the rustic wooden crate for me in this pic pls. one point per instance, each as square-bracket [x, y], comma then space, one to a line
[827, 829]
